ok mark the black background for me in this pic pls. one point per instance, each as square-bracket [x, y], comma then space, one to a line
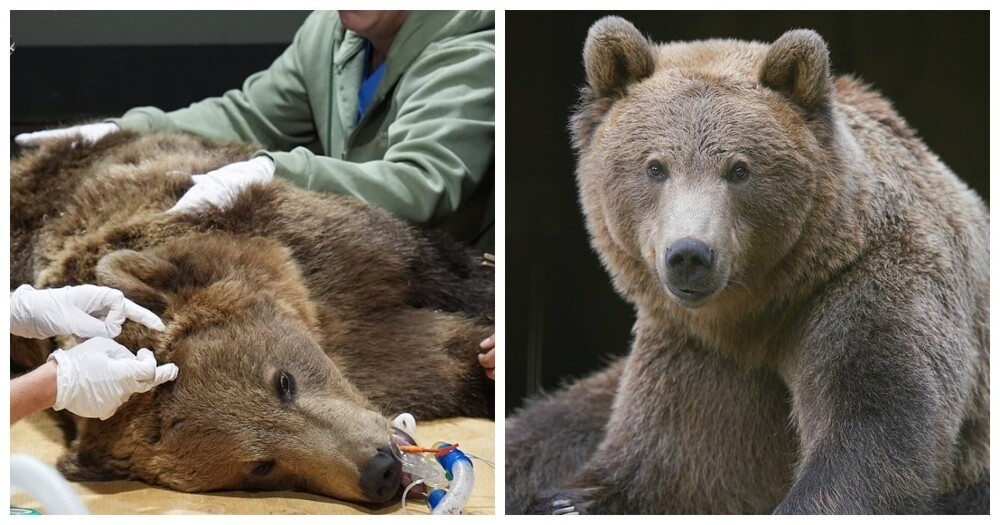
[563, 317]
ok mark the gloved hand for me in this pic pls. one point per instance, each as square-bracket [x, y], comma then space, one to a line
[89, 133]
[95, 377]
[221, 186]
[86, 311]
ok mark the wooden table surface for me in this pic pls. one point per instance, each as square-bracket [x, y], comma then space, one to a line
[38, 436]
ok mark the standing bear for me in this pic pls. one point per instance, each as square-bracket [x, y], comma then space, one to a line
[811, 286]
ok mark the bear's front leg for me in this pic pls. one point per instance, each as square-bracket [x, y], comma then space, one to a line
[552, 437]
[878, 407]
[691, 431]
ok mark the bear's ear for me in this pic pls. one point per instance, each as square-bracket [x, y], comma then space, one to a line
[143, 277]
[798, 66]
[615, 56]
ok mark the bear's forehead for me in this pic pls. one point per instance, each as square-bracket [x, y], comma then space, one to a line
[688, 112]
[736, 60]
[702, 88]
[682, 98]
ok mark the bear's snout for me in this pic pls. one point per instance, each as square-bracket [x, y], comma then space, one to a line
[690, 264]
[380, 476]
[689, 261]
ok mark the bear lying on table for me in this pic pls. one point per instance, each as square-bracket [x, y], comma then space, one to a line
[299, 321]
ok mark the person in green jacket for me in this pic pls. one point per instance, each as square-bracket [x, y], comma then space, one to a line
[400, 103]
[418, 145]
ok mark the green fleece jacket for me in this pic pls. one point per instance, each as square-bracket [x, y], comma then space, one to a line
[422, 148]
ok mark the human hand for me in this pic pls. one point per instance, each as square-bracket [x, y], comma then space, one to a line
[88, 133]
[85, 311]
[95, 377]
[488, 360]
[221, 186]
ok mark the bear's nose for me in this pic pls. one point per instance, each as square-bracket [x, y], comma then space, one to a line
[689, 260]
[380, 476]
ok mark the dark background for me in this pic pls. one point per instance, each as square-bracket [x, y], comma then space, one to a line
[563, 317]
[74, 66]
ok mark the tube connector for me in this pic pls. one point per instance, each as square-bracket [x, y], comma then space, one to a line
[458, 467]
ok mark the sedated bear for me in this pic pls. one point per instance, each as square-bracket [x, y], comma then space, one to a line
[811, 286]
[300, 322]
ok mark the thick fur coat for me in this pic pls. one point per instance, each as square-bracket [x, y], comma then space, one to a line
[811, 286]
[299, 321]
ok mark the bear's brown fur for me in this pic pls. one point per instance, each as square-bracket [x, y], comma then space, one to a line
[812, 294]
[298, 321]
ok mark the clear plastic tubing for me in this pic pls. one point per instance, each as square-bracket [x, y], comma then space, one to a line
[460, 467]
[45, 484]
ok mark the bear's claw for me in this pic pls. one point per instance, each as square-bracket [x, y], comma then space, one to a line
[563, 507]
[558, 503]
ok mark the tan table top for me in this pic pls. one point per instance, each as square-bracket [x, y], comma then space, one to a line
[38, 436]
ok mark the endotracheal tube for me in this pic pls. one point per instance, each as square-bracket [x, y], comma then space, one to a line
[443, 469]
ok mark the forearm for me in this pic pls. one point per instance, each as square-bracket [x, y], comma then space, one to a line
[874, 434]
[422, 190]
[32, 392]
[874, 427]
[232, 116]
[865, 476]
[606, 482]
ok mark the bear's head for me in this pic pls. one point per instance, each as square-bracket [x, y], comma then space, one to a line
[257, 404]
[700, 164]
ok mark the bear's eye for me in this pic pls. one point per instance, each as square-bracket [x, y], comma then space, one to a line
[739, 172]
[262, 468]
[284, 385]
[656, 171]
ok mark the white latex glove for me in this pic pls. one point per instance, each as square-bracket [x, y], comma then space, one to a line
[85, 311]
[95, 377]
[221, 186]
[88, 133]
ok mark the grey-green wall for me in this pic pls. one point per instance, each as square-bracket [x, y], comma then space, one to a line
[133, 28]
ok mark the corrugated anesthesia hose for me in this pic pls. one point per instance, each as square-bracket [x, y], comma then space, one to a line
[45, 484]
[462, 480]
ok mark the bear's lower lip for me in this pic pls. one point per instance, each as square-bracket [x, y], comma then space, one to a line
[687, 296]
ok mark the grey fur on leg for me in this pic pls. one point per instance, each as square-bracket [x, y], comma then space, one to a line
[553, 437]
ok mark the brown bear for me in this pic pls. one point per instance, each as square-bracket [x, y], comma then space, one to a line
[811, 286]
[299, 321]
